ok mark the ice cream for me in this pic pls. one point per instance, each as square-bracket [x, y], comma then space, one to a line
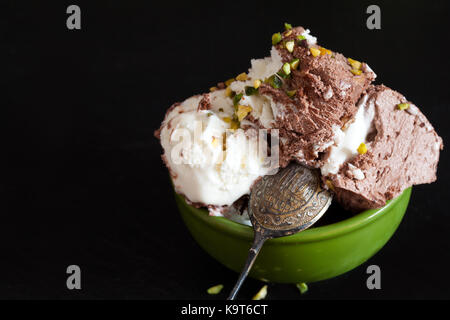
[320, 108]
[403, 150]
[319, 95]
[347, 140]
[210, 164]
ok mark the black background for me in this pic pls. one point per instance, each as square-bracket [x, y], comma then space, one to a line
[83, 181]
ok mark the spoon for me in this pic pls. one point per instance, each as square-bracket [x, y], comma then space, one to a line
[283, 204]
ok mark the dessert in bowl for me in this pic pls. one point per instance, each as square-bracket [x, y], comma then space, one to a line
[313, 106]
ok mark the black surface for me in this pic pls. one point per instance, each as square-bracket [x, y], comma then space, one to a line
[83, 182]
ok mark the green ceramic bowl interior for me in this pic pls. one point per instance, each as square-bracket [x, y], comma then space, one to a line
[315, 254]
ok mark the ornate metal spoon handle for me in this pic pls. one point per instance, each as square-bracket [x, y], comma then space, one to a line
[258, 242]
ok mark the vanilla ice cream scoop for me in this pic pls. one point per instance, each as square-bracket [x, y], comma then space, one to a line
[209, 163]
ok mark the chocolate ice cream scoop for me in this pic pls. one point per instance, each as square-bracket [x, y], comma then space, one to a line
[283, 204]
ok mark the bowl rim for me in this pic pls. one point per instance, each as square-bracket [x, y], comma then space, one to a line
[313, 234]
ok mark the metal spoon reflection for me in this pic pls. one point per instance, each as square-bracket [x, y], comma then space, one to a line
[283, 204]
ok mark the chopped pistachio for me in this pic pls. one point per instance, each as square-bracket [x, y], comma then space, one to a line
[287, 26]
[288, 33]
[249, 91]
[314, 51]
[362, 149]
[356, 72]
[281, 74]
[324, 51]
[276, 38]
[262, 293]
[242, 77]
[294, 64]
[256, 83]
[242, 112]
[237, 98]
[355, 64]
[215, 289]
[300, 37]
[286, 68]
[275, 82]
[290, 45]
[403, 106]
[229, 81]
[330, 185]
[228, 92]
[291, 93]
[234, 124]
[226, 119]
[302, 287]
[212, 89]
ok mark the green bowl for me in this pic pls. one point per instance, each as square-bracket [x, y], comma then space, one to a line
[315, 254]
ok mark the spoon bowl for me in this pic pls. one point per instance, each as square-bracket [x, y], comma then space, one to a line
[283, 204]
